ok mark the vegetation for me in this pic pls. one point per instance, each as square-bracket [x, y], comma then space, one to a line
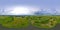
[23, 21]
[5, 19]
[44, 22]
[15, 22]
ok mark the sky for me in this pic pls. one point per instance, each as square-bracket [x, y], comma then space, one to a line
[42, 4]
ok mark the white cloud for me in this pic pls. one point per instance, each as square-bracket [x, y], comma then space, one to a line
[20, 10]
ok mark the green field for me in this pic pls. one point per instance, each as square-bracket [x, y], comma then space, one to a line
[24, 21]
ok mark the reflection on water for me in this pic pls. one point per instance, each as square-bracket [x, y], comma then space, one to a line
[30, 28]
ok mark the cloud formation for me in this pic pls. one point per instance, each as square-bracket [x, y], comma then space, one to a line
[28, 11]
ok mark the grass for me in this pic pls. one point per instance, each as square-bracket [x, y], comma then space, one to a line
[18, 22]
[23, 21]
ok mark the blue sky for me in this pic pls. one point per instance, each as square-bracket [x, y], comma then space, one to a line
[39, 3]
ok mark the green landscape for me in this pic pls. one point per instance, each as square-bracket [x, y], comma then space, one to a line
[24, 21]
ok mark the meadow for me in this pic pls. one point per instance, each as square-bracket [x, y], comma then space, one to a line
[24, 21]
